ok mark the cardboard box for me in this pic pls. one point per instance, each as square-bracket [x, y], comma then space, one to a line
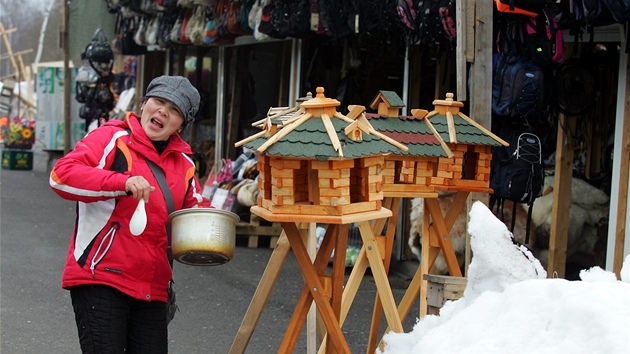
[49, 127]
[17, 160]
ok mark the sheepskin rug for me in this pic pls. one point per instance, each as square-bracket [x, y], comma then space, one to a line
[587, 225]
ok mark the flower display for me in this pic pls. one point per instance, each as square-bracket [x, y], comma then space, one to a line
[19, 133]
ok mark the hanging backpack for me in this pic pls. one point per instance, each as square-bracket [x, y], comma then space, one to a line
[521, 7]
[541, 39]
[437, 22]
[517, 86]
[575, 88]
[620, 9]
[517, 171]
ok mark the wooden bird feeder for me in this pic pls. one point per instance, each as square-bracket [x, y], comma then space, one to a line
[318, 165]
[447, 149]
[320, 162]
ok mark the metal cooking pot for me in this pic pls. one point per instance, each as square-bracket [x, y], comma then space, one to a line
[203, 236]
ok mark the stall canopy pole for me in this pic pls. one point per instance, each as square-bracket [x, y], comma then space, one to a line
[218, 140]
[296, 65]
[406, 79]
[66, 76]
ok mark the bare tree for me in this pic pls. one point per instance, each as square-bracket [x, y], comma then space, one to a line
[27, 17]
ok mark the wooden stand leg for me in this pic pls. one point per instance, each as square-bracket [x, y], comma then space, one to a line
[380, 277]
[424, 265]
[350, 291]
[387, 257]
[440, 229]
[414, 286]
[267, 281]
[317, 294]
[443, 237]
[431, 247]
[303, 305]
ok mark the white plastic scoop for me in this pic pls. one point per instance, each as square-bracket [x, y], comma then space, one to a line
[138, 220]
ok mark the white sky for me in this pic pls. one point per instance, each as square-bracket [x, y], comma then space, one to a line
[509, 305]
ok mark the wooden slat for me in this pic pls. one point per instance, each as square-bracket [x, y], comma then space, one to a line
[324, 219]
[7, 45]
[363, 121]
[250, 138]
[283, 132]
[355, 111]
[452, 133]
[332, 134]
[342, 117]
[437, 135]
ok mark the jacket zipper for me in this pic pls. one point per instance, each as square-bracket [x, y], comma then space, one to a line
[96, 259]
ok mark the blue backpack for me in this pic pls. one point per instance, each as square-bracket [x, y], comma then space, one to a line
[517, 86]
[620, 9]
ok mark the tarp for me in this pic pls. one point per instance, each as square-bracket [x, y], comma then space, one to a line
[85, 18]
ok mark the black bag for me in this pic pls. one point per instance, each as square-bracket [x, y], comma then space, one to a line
[575, 88]
[126, 44]
[337, 17]
[517, 170]
[171, 303]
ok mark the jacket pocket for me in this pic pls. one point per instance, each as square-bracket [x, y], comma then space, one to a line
[104, 246]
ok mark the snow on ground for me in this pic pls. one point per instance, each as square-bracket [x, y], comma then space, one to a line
[509, 305]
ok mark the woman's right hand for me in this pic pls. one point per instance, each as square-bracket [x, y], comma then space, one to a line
[139, 187]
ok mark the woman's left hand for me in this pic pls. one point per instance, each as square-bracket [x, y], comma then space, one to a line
[139, 187]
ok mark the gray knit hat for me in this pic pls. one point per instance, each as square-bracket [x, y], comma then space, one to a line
[178, 90]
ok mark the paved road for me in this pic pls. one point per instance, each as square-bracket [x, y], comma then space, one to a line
[36, 315]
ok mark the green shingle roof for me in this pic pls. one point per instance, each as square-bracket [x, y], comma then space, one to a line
[392, 98]
[310, 140]
[466, 132]
[411, 131]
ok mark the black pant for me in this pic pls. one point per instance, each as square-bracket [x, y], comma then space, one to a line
[110, 321]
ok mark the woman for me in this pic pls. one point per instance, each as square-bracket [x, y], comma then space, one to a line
[118, 281]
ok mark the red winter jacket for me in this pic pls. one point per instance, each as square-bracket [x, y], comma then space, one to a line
[102, 249]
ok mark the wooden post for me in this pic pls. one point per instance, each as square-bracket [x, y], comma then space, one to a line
[622, 210]
[11, 56]
[481, 85]
[481, 72]
[562, 198]
[464, 34]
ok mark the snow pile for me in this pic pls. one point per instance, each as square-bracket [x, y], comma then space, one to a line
[510, 307]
